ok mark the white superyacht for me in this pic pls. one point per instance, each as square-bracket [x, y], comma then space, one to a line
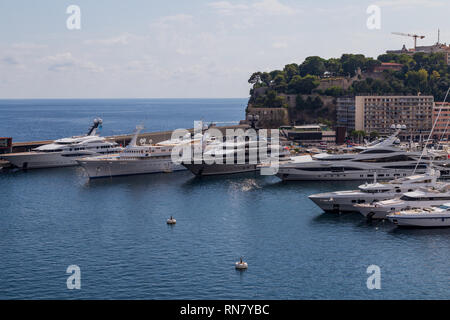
[384, 159]
[134, 159]
[345, 201]
[64, 152]
[234, 156]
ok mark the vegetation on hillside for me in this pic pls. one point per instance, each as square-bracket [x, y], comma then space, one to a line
[427, 74]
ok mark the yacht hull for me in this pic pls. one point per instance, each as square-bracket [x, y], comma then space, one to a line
[219, 169]
[329, 203]
[111, 168]
[373, 212]
[422, 221]
[296, 174]
[38, 160]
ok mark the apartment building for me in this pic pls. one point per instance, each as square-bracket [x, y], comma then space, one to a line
[345, 113]
[441, 112]
[378, 113]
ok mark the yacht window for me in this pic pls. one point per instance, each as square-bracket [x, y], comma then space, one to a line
[377, 151]
[400, 157]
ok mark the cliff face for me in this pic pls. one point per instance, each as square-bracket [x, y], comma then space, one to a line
[296, 109]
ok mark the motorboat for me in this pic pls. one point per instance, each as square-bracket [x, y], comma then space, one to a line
[421, 198]
[424, 217]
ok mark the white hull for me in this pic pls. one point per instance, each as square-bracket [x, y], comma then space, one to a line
[298, 174]
[429, 221]
[384, 211]
[38, 160]
[218, 169]
[111, 167]
[327, 203]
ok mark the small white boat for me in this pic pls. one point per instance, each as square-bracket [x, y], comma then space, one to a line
[425, 217]
[171, 220]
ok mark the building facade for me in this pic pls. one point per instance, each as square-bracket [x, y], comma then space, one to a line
[441, 113]
[379, 113]
[345, 113]
[438, 47]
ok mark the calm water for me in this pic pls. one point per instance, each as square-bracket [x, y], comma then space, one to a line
[115, 229]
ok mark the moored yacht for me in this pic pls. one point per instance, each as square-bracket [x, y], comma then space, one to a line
[421, 198]
[384, 159]
[344, 201]
[425, 217]
[134, 159]
[64, 152]
[231, 157]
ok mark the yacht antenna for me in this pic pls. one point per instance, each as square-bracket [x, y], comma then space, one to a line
[431, 131]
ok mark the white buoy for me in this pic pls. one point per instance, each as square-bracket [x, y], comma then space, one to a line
[171, 220]
[241, 265]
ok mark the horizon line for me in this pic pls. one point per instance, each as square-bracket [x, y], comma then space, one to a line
[200, 98]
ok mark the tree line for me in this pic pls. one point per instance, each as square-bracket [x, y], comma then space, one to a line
[423, 73]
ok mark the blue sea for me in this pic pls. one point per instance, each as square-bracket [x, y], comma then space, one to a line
[115, 229]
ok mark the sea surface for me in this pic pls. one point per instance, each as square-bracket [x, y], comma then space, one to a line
[115, 229]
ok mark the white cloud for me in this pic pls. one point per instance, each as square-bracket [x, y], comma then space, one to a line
[409, 3]
[279, 45]
[273, 7]
[28, 45]
[260, 7]
[226, 7]
[173, 19]
[63, 62]
[122, 39]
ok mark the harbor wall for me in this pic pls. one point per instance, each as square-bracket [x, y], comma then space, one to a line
[150, 137]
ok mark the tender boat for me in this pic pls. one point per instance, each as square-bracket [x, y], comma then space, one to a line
[425, 217]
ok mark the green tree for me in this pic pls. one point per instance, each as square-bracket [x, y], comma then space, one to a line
[290, 70]
[304, 84]
[313, 66]
[334, 66]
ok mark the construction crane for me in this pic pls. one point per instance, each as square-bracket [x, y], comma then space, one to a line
[415, 36]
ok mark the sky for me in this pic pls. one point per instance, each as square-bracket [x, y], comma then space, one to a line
[190, 48]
